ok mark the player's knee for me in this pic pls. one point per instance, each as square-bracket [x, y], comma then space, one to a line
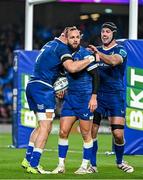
[86, 136]
[45, 127]
[119, 139]
[118, 136]
[63, 134]
[50, 129]
[117, 131]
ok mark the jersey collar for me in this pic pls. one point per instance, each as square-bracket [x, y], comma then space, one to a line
[106, 49]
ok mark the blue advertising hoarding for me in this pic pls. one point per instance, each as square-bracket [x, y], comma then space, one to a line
[23, 120]
[134, 96]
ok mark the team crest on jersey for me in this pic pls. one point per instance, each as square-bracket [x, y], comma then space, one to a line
[123, 53]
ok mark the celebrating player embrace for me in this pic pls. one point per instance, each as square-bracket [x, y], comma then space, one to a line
[41, 95]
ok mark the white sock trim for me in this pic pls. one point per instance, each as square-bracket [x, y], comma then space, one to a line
[38, 150]
[31, 144]
[88, 145]
[50, 110]
[63, 142]
[119, 144]
[94, 139]
[41, 116]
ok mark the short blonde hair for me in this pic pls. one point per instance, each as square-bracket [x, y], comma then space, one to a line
[70, 28]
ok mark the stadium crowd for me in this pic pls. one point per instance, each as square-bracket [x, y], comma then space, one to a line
[12, 38]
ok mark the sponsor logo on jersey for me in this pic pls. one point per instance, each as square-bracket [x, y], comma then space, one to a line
[90, 117]
[85, 115]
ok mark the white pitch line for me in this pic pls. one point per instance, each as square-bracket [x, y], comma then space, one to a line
[70, 151]
[52, 150]
[107, 153]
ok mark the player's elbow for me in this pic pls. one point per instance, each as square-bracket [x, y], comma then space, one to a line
[113, 63]
[72, 69]
[116, 60]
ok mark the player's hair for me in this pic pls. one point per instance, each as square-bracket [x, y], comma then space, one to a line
[68, 29]
[110, 25]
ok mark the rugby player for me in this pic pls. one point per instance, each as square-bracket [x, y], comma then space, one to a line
[79, 103]
[111, 94]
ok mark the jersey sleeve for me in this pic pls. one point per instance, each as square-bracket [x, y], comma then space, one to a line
[64, 54]
[122, 52]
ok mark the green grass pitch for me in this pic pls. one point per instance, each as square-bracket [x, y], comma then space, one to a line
[10, 160]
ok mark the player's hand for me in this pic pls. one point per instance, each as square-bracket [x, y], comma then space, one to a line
[60, 94]
[89, 49]
[92, 105]
[97, 57]
[92, 48]
[91, 58]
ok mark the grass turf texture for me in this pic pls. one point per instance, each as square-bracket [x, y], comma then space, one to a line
[10, 160]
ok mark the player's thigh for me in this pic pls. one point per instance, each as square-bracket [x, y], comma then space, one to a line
[66, 124]
[117, 120]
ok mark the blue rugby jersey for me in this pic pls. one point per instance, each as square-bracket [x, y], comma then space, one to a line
[49, 62]
[82, 81]
[112, 77]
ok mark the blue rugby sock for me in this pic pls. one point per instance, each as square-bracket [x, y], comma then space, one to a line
[94, 153]
[34, 162]
[119, 150]
[87, 153]
[29, 151]
[62, 148]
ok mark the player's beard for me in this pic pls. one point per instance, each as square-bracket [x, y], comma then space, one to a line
[73, 49]
[107, 43]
